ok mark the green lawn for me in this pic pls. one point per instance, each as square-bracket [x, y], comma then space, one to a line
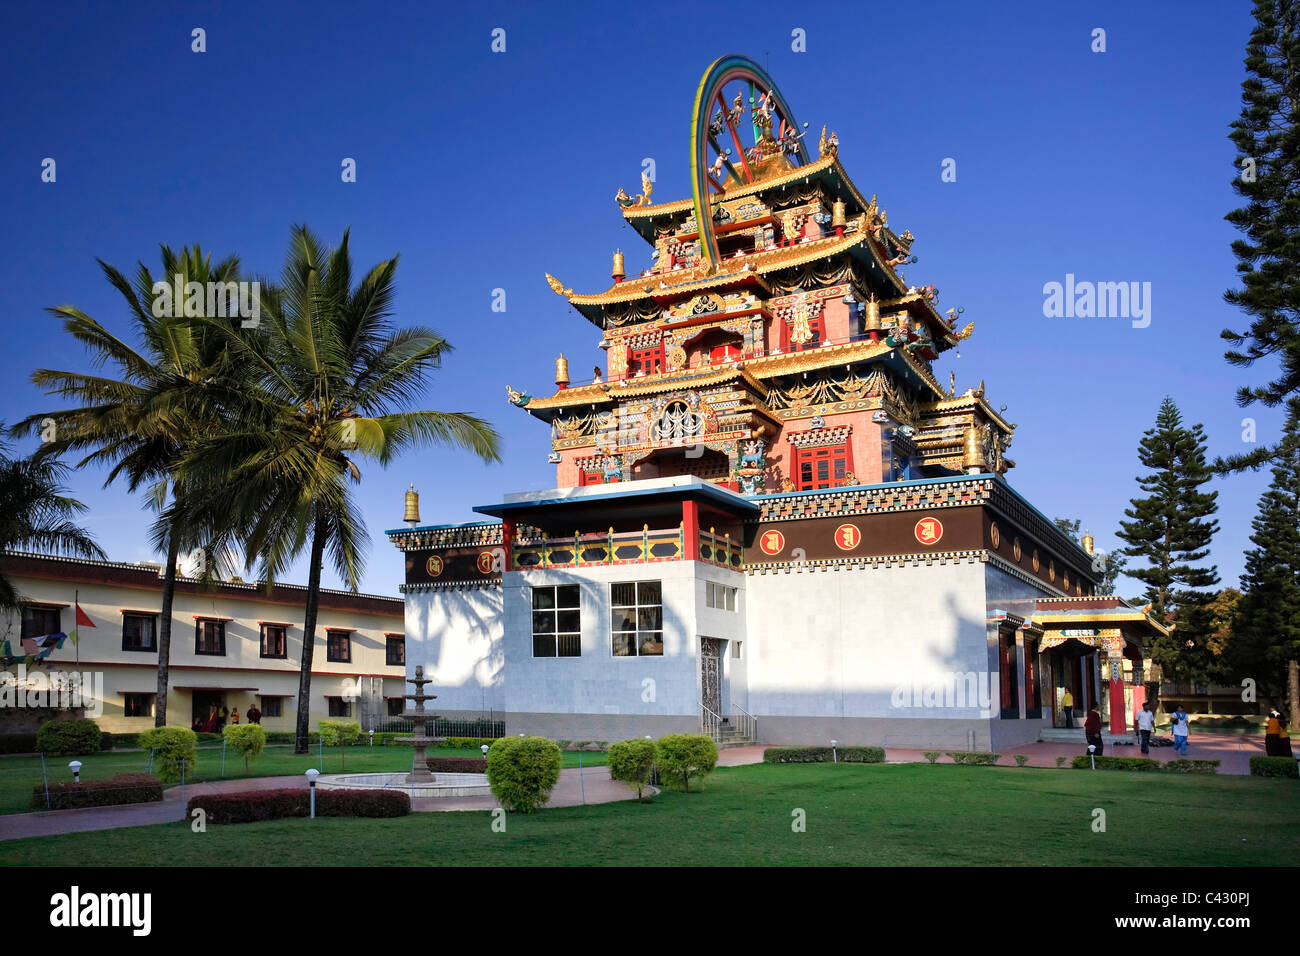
[881, 815]
[19, 774]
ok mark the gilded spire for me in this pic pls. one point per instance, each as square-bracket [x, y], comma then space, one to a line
[412, 515]
[562, 371]
[619, 271]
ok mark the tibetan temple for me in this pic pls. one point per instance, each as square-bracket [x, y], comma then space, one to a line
[771, 520]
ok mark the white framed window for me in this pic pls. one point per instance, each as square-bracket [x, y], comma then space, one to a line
[719, 596]
[735, 649]
[557, 621]
[637, 619]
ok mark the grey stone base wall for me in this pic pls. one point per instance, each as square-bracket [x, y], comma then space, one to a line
[607, 727]
[910, 733]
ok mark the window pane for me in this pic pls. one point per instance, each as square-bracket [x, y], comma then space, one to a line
[568, 621]
[731, 599]
[650, 619]
[622, 595]
[624, 619]
[543, 598]
[624, 645]
[652, 645]
[570, 645]
[649, 592]
[568, 596]
[544, 646]
[543, 622]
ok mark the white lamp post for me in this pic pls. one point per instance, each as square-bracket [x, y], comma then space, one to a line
[835, 758]
[372, 736]
[311, 783]
[484, 748]
[1092, 757]
[75, 767]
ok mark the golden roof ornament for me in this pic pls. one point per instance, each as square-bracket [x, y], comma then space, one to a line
[562, 371]
[1087, 541]
[973, 451]
[838, 219]
[873, 314]
[619, 270]
[557, 286]
[828, 145]
[412, 516]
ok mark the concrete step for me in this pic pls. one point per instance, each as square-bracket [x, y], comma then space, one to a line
[1062, 735]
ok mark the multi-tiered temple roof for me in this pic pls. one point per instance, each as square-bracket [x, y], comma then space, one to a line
[775, 343]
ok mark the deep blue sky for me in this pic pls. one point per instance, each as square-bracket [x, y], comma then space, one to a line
[486, 170]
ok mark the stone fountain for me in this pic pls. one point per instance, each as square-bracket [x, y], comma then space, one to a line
[420, 772]
[420, 782]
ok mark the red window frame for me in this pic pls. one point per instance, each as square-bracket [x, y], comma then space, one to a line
[726, 352]
[588, 476]
[822, 466]
[647, 361]
[818, 326]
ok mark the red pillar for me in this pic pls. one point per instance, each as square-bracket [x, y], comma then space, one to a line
[508, 541]
[1118, 719]
[691, 529]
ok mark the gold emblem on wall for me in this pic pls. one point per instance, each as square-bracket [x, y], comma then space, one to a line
[994, 535]
[433, 566]
[771, 542]
[1035, 560]
[1051, 571]
[928, 530]
[848, 537]
[1015, 549]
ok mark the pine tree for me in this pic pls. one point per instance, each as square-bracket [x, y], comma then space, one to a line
[1267, 137]
[1171, 530]
[1265, 643]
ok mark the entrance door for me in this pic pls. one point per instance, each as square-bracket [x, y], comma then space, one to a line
[711, 674]
[205, 702]
[370, 702]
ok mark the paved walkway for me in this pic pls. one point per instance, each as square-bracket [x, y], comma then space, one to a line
[594, 786]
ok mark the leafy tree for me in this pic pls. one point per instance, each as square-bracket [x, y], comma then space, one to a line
[683, 756]
[1265, 641]
[35, 515]
[1267, 137]
[1171, 530]
[1068, 527]
[164, 395]
[522, 771]
[246, 740]
[333, 377]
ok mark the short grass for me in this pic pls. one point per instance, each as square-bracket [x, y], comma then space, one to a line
[880, 815]
[19, 774]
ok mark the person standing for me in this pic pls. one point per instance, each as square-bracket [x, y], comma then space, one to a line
[1179, 719]
[1067, 704]
[234, 716]
[254, 715]
[1092, 732]
[1145, 722]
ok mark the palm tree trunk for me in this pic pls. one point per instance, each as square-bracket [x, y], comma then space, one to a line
[309, 637]
[1293, 691]
[165, 631]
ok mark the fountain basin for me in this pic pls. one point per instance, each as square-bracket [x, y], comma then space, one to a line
[445, 785]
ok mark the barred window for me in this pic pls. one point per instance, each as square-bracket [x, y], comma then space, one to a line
[637, 619]
[557, 621]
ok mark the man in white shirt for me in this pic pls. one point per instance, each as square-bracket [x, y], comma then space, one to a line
[1146, 722]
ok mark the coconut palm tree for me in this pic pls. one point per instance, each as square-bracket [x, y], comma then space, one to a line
[336, 378]
[35, 515]
[162, 396]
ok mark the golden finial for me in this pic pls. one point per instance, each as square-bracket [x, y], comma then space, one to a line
[412, 516]
[619, 271]
[873, 314]
[562, 371]
[1087, 541]
[557, 286]
[966, 332]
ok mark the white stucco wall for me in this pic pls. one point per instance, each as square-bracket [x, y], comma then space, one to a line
[457, 635]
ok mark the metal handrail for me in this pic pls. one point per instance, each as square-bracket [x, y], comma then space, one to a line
[747, 723]
[710, 724]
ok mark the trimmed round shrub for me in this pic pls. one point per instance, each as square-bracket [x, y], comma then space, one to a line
[246, 740]
[339, 733]
[632, 761]
[171, 745]
[65, 737]
[522, 771]
[683, 756]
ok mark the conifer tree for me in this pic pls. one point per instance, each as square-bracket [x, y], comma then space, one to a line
[1267, 137]
[1170, 530]
[1265, 643]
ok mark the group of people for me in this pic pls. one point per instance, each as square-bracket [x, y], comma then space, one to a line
[216, 720]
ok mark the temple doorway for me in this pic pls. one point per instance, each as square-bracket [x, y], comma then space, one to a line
[711, 674]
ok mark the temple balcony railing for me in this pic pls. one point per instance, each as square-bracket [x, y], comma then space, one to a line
[647, 546]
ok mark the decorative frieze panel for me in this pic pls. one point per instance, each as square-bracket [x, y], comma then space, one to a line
[818, 437]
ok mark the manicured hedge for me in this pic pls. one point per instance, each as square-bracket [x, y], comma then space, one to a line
[523, 771]
[1191, 766]
[974, 758]
[456, 764]
[17, 743]
[124, 788]
[67, 737]
[682, 756]
[632, 761]
[1116, 763]
[1284, 767]
[254, 805]
[823, 755]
